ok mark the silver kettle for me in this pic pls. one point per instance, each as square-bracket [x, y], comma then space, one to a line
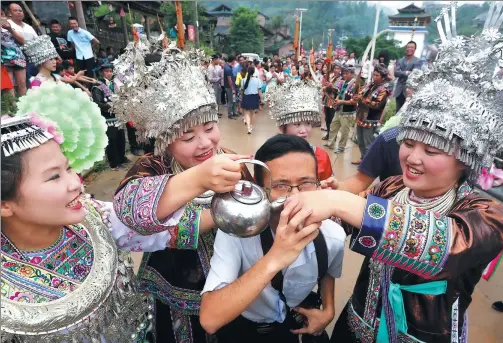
[245, 211]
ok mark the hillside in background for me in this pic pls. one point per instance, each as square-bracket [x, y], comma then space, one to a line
[348, 18]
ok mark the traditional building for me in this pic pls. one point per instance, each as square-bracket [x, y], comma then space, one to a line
[410, 24]
[223, 15]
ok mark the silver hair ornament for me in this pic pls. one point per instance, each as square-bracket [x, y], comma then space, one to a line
[167, 98]
[457, 102]
[39, 50]
[295, 101]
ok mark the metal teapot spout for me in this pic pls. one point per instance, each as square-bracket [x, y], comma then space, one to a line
[278, 204]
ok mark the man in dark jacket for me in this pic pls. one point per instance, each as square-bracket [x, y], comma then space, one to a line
[403, 68]
[102, 94]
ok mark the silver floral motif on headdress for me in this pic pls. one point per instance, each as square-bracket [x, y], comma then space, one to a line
[295, 101]
[165, 99]
[456, 105]
[39, 50]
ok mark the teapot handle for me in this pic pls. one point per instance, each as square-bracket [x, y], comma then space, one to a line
[260, 163]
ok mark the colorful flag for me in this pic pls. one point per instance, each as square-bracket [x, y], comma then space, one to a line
[122, 13]
[142, 19]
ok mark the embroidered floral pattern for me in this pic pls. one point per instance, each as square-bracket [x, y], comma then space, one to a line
[47, 274]
[415, 240]
[136, 203]
[376, 211]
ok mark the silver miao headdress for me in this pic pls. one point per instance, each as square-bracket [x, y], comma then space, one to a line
[456, 104]
[40, 49]
[19, 134]
[295, 101]
[167, 98]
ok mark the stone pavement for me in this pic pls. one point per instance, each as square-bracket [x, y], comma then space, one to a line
[484, 323]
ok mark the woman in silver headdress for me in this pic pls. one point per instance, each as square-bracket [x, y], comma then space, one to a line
[66, 269]
[41, 52]
[426, 236]
[296, 106]
[173, 103]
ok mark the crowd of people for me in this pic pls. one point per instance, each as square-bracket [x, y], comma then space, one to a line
[425, 234]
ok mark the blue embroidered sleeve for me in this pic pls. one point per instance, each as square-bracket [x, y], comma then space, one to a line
[404, 236]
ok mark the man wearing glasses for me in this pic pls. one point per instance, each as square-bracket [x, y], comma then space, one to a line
[243, 301]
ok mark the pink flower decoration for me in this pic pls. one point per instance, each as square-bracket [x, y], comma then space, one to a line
[490, 178]
[47, 125]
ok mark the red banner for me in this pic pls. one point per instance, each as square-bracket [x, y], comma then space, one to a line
[192, 32]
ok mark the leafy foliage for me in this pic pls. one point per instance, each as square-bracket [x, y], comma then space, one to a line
[245, 34]
[358, 46]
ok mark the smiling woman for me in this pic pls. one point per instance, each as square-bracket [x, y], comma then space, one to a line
[425, 235]
[178, 109]
[62, 273]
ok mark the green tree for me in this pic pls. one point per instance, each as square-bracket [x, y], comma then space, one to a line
[246, 34]
[358, 46]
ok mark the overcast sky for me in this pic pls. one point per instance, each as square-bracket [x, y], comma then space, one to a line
[400, 4]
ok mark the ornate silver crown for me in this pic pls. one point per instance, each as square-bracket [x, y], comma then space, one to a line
[40, 49]
[295, 101]
[457, 104]
[167, 98]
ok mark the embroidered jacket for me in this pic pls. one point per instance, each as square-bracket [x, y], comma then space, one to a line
[369, 115]
[176, 275]
[428, 262]
[346, 93]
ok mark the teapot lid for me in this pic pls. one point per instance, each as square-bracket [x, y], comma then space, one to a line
[247, 193]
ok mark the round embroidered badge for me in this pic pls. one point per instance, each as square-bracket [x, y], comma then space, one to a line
[367, 241]
[376, 211]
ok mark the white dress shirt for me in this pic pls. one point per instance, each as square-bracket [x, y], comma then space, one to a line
[234, 256]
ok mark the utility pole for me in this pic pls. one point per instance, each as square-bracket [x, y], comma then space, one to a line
[378, 11]
[301, 10]
[80, 15]
[196, 23]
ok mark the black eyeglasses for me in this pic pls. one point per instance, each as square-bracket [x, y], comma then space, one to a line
[303, 187]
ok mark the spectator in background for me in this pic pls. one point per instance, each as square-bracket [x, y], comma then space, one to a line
[111, 22]
[215, 78]
[17, 23]
[63, 47]
[403, 68]
[111, 54]
[383, 57]
[83, 42]
[223, 95]
[352, 60]
[230, 87]
[13, 59]
[102, 94]
[102, 57]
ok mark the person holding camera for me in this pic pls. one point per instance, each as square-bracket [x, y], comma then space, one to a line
[259, 289]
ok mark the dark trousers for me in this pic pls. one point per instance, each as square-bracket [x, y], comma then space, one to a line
[242, 330]
[400, 100]
[116, 148]
[223, 97]
[88, 66]
[329, 116]
[131, 136]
